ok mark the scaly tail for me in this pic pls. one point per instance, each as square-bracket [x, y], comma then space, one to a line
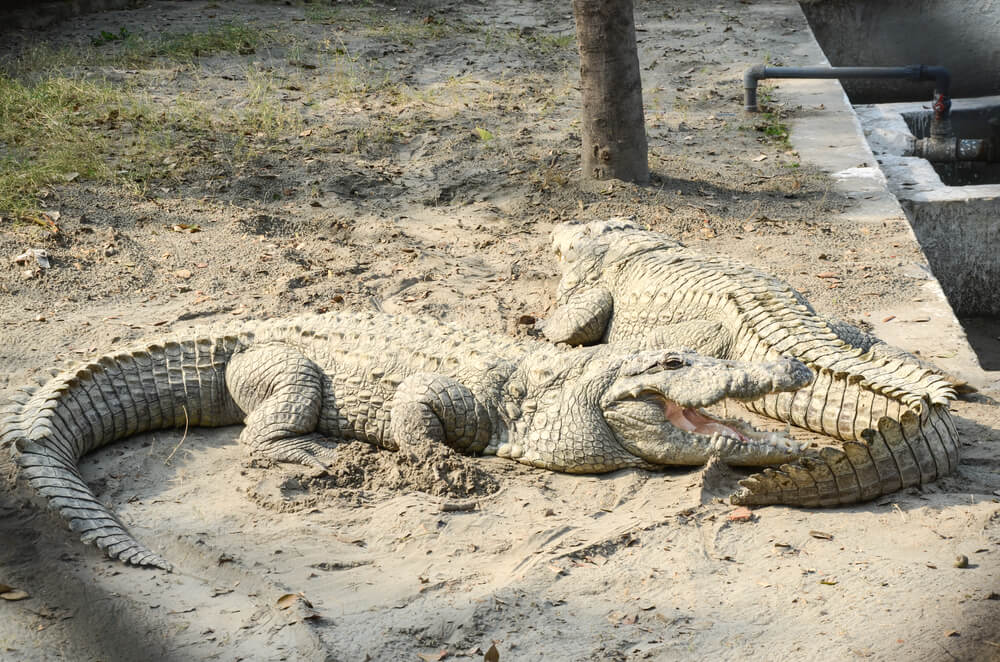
[850, 399]
[161, 386]
[916, 450]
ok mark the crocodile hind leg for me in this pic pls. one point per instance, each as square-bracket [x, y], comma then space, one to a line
[431, 408]
[281, 392]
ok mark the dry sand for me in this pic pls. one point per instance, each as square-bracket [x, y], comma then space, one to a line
[397, 202]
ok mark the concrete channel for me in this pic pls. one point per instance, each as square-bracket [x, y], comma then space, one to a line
[955, 226]
[954, 209]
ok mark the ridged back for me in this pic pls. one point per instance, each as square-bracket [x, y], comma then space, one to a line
[766, 317]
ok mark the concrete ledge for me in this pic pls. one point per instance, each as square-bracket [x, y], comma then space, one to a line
[827, 133]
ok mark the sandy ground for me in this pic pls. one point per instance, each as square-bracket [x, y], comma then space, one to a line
[390, 198]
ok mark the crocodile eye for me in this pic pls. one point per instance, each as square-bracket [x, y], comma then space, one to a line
[671, 363]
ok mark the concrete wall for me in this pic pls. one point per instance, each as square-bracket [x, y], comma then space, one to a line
[959, 238]
[962, 36]
[958, 227]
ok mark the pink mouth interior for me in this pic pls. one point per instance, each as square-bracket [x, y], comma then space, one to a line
[691, 420]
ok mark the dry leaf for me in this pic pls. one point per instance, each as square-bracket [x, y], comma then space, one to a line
[741, 514]
[185, 227]
[760, 158]
[5, 589]
[37, 255]
[821, 535]
[307, 132]
[951, 633]
[433, 657]
[14, 595]
[827, 274]
[289, 599]
[492, 655]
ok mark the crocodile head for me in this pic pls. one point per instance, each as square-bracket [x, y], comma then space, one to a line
[607, 410]
[654, 407]
[585, 249]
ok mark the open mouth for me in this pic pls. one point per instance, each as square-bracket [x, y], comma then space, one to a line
[695, 420]
[722, 433]
[664, 432]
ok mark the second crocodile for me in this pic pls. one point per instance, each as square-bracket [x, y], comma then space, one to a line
[642, 289]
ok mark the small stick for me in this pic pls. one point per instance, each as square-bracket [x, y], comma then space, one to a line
[183, 437]
[458, 506]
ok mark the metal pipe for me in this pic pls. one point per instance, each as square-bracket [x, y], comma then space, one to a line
[947, 150]
[941, 126]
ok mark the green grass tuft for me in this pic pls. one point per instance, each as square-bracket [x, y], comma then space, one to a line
[45, 137]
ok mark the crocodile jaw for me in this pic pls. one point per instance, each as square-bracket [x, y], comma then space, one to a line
[663, 432]
[653, 407]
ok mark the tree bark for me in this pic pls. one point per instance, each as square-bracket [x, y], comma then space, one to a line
[614, 127]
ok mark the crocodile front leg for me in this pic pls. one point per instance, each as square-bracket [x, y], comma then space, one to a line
[582, 320]
[429, 407]
[281, 392]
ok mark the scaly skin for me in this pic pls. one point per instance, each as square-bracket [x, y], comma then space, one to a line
[302, 385]
[640, 289]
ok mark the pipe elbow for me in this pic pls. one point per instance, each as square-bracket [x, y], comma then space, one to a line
[750, 78]
[941, 77]
[754, 74]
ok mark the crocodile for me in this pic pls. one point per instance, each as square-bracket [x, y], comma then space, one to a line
[304, 384]
[641, 289]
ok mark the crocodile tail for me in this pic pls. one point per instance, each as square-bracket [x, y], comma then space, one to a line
[915, 450]
[846, 404]
[50, 428]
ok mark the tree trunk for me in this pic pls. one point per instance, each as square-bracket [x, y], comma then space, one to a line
[614, 128]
